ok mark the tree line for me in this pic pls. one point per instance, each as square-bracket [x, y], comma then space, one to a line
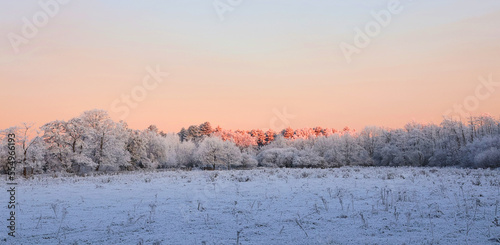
[93, 142]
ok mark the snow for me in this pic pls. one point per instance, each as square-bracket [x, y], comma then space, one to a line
[260, 206]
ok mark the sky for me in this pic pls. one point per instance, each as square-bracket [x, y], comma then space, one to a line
[249, 64]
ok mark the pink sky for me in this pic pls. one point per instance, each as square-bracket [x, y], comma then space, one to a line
[262, 57]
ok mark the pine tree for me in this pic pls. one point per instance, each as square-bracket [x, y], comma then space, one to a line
[182, 135]
[270, 136]
[288, 133]
[206, 128]
[153, 128]
[193, 133]
[318, 131]
[261, 137]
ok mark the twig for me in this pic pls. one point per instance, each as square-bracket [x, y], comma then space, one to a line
[298, 223]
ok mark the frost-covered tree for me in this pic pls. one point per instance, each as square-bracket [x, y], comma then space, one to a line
[448, 145]
[215, 153]
[29, 148]
[182, 135]
[156, 149]
[25, 139]
[318, 131]
[370, 139]
[277, 157]
[136, 146]
[261, 137]
[347, 146]
[288, 133]
[193, 133]
[482, 153]
[93, 141]
[248, 161]
[58, 152]
[488, 158]
[305, 133]
[308, 158]
[323, 144]
[76, 131]
[105, 141]
[206, 129]
[152, 149]
[418, 146]
[35, 154]
[242, 139]
[270, 135]
[153, 128]
[185, 155]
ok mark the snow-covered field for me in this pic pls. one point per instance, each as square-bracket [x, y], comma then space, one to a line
[262, 206]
